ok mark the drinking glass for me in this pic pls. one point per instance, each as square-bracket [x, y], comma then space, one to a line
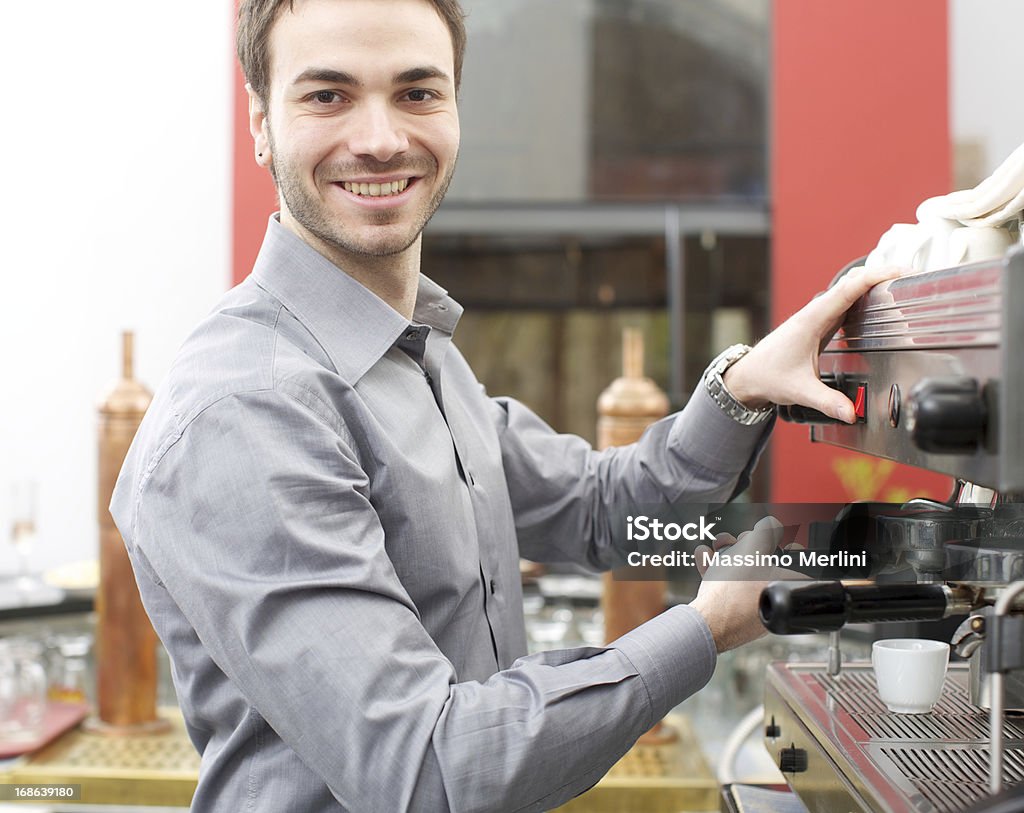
[23, 527]
[22, 690]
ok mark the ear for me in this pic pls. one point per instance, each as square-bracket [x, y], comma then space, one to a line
[258, 128]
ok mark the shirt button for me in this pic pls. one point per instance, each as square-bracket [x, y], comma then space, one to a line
[494, 587]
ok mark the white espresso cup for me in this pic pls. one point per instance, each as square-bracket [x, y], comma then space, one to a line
[910, 673]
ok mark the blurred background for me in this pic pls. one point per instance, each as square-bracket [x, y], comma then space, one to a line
[585, 123]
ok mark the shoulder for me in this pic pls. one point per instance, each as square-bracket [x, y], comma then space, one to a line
[249, 344]
[249, 372]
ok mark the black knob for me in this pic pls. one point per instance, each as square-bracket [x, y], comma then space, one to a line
[792, 760]
[948, 415]
[772, 731]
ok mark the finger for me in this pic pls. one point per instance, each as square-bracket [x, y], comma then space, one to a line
[770, 526]
[858, 282]
[724, 541]
[858, 286]
[838, 299]
[702, 554]
[863, 279]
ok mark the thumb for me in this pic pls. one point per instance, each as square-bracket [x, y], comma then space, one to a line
[766, 535]
[832, 402]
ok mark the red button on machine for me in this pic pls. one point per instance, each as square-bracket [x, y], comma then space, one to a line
[860, 402]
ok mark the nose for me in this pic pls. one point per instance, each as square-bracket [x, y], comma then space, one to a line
[377, 131]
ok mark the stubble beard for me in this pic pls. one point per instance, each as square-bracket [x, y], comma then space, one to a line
[311, 212]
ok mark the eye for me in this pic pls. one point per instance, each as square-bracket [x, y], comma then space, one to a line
[421, 95]
[325, 97]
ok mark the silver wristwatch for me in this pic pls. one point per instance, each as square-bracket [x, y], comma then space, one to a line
[726, 400]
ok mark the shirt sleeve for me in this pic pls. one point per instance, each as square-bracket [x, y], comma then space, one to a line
[258, 522]
[570, 501]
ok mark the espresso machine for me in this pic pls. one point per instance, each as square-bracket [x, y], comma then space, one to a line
[935, 365]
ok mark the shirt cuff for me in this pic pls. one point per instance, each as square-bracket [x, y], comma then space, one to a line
[711, 438]
[674, 654]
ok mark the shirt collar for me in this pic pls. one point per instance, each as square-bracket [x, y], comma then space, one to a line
[354, 326]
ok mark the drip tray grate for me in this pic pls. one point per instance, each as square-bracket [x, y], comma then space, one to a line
[953, 718]
[937, 761]
[951, 778]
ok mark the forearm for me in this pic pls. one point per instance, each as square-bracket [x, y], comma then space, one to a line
[538, 734]
[570, 502]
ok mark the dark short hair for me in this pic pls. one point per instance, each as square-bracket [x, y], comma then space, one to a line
[257, 17]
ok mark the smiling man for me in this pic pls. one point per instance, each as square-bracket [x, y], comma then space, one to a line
[358, 125]
[325, 512]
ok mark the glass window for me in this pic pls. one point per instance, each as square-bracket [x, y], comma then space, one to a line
[614, 100]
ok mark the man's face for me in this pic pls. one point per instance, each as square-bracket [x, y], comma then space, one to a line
[361, 130]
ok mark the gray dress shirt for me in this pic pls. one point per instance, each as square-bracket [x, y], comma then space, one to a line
[325, 513]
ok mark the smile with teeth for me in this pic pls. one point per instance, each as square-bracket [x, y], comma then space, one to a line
[376, 190]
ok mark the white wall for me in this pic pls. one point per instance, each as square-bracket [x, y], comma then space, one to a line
[986, 75]
[116, 148]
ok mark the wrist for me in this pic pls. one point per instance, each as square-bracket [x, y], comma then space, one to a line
[730, 611]
[737, 382]
[713, 622]
[723, 394]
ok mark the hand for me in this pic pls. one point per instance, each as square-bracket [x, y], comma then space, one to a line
[728, 595]
[783, 367]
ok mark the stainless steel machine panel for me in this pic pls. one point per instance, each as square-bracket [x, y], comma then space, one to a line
[858, 756]
[953, 325]
[934, 363]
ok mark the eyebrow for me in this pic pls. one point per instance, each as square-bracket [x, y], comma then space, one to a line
[419, 74]
[343, 78]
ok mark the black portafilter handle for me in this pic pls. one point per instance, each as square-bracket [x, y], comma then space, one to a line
[795, 608]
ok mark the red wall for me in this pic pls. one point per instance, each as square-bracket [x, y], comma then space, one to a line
[860, 136]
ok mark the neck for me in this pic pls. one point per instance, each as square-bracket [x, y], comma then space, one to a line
[394, 278]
